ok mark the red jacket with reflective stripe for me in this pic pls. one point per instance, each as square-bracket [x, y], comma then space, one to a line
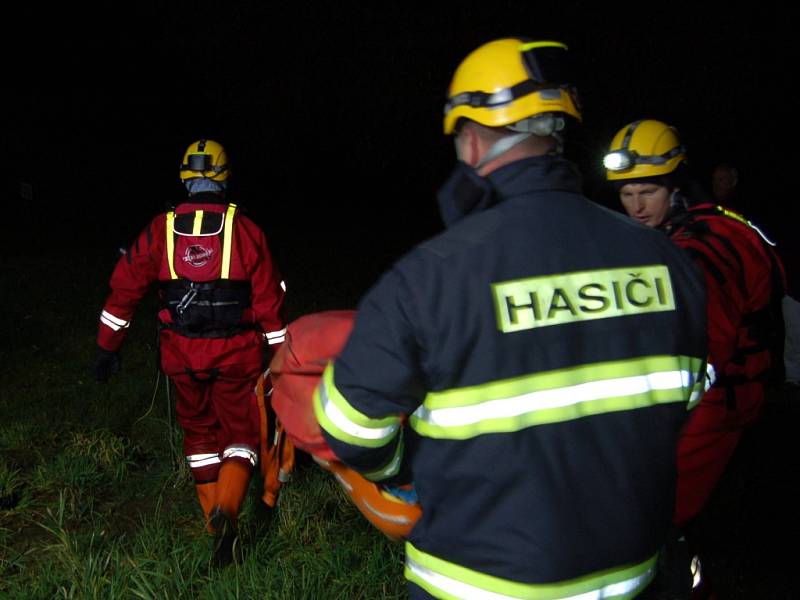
[197, 258]
[743, 276]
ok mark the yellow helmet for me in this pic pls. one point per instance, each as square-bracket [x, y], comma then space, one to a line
[508, 80]
[205, 158]
[645, 148]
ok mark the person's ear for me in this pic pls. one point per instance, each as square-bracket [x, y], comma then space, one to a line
[469, 146]
[676, 198]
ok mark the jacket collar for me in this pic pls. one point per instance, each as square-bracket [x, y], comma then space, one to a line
[535, 174]
[466, 192]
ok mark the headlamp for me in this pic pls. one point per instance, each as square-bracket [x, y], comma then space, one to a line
[624, 158]
[619, 160]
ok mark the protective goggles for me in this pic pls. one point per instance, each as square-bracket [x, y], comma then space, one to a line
[545, 63]
[624, 158]
[202, 163]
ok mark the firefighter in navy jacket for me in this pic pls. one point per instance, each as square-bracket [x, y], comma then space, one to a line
[745, 283]
[222, 310]
[529, 368]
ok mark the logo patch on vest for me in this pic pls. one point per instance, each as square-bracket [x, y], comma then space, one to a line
[197, 256]
[581, 296]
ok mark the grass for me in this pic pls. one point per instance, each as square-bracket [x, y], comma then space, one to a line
[96, 500]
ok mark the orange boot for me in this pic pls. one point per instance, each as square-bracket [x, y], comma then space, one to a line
[207, 494]
[234, 477]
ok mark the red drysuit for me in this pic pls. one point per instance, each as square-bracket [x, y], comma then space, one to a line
[222, 300]
[744, 278]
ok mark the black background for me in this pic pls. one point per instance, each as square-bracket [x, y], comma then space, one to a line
[331, 111]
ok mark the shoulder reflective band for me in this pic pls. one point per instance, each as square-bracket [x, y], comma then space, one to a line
[563, 298]
[444, 579]
[558, 396]
[275, 337]
[227, 242]
[345, 423]
[736, 216]
[171, 243]
[197, 228]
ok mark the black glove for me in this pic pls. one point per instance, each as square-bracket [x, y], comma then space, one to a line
[106, 363]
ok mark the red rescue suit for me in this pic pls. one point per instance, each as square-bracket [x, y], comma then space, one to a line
[745, 281]
[222, 300]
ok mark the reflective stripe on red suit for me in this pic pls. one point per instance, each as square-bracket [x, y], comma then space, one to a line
[220, 414]
[742, 274]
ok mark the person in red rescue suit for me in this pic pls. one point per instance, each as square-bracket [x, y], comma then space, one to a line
[222, 317]
[745, 282]
[529, 368]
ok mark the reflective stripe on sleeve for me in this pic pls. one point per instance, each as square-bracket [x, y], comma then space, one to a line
[391, 468]
[444, 579]
[275, 337]
[113, 322]
[557, 396]
[345, 423]
[703, 384]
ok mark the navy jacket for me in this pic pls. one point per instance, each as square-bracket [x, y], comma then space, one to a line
[529, 368]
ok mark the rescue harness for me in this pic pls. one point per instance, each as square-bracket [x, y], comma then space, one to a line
[204, 309]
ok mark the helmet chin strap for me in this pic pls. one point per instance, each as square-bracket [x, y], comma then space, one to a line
[501, 146]
[544, 125]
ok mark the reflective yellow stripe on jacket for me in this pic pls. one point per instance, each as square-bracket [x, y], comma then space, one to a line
[557, 396]
[447, 580]
[344, 422]
[348, 425]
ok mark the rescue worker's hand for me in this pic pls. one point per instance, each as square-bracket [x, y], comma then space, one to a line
[406, 493]
[106, 363]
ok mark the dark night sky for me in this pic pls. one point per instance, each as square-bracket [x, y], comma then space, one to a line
[332, 111]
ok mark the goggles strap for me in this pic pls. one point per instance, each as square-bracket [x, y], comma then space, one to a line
[657, 159]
